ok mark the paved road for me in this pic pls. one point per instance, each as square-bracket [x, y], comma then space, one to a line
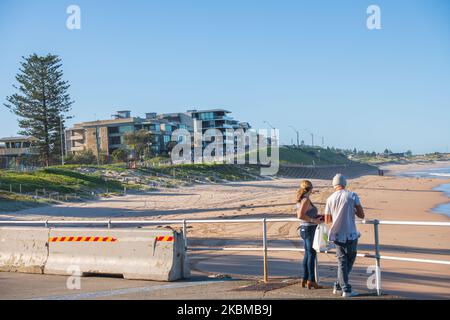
[244, 270]
[38, 287]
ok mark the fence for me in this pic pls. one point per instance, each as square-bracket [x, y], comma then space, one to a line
[184, 224]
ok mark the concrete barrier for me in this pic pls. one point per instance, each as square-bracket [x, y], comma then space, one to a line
[23, 249]
[146, 254]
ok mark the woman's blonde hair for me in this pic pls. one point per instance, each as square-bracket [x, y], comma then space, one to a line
[305, 187]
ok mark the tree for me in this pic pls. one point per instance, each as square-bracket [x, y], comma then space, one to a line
[408, 153]
[140, 142]
[119, 155]
[41, 103]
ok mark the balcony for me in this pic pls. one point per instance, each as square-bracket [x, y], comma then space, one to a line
[14, 152]
[76, 137]
[78, 148]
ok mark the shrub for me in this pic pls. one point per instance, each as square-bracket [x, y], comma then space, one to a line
[83, 157]
[119, 155]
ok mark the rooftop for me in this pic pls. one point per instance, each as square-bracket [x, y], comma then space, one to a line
[209, 110]
[17, 138]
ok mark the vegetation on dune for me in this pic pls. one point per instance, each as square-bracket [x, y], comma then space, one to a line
[207, 172]
[309, 155]
[305, 155]
[13, 201]
[55, 179]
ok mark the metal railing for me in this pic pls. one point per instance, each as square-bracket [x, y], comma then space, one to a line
[185, 222]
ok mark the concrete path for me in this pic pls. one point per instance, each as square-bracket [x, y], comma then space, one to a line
[48, 287]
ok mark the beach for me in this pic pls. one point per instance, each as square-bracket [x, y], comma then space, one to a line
[389, 197]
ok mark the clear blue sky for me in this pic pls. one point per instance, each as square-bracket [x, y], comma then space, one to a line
[309, 64]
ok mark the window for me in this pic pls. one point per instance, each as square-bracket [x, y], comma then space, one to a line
[26, 144]
[114, 140]
[166, 139]
[206, 116]
[125, 129]
[112, 130]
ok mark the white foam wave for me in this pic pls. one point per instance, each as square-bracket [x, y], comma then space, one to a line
[439, 174]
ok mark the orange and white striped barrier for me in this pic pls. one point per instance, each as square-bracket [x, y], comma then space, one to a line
[82, 239]
[164, 239]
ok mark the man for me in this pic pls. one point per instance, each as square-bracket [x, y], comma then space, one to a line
[340, 209]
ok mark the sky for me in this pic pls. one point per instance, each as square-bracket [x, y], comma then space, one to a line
[311, 65]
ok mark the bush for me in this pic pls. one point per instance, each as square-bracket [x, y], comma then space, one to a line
[84, 157]
[119, 155]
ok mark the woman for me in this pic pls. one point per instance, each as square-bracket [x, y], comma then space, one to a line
[308, 214]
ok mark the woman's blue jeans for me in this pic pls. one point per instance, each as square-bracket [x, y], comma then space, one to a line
[309, 259]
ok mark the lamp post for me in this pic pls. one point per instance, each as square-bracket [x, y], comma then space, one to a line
[61, 138]
[298, 138]
[268, 123]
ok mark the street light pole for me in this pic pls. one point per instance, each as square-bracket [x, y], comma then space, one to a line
[62, 137]
[271, 127]
[97, 143]
[298, 138]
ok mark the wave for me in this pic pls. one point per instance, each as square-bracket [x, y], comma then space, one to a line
[439, 174]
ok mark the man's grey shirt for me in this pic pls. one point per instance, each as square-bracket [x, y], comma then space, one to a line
[341, 206]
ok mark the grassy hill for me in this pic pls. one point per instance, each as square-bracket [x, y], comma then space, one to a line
[309, 155]
[64, 181]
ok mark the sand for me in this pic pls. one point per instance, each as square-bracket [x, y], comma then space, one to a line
[384, 198]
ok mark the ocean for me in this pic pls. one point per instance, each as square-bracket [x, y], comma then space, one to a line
[443, 173]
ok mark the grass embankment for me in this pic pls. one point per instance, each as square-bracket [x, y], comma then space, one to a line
[86, 181]
[309, 156]
[206, 172]
[13, 201]
[305, 155]
[55, 179]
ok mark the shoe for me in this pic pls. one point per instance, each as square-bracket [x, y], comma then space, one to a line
[337, 289]
[313, 284]
[304, 283]
[349, 294]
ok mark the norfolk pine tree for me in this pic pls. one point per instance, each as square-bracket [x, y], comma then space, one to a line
[40, 102]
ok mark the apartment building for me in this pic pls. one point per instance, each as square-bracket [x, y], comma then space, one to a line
[105, 136]
[219, 119]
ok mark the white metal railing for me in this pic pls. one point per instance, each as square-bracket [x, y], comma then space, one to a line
[184, 223]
